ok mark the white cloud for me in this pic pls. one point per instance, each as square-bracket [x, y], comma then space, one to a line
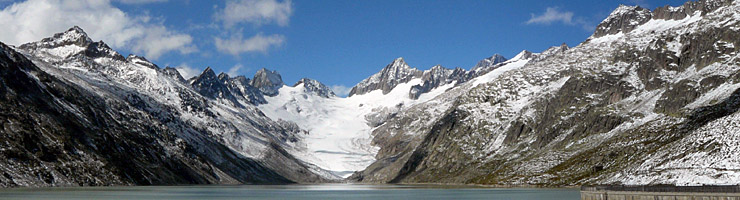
[159, 40]
[140, 1]
[341, 90]
[257, 12]
[552, 14]
[235, 70]
[187, 72]
[33, 20]
[258, 43]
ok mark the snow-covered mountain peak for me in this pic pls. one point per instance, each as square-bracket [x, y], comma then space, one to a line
[487, 64]
[70, 43]
[207, 74]
[627, 18]
[490, 61]
[214, 86]
[623, 9]
[223, 76]
[623, 19]
[391, 75]
[73, 36]
[399, 63]
[688, 9]
[523, 55]
[267, 81]
[315, 87]
[437, 68]
[173, 73]
[554, 50]
[399, 60]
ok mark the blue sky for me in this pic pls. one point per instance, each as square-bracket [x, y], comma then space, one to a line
[337, 42]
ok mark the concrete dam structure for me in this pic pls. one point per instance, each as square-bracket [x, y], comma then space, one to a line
[660, 192]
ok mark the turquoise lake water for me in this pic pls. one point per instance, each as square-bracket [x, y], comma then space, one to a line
[289, 192]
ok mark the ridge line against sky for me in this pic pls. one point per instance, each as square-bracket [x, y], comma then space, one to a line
[336, 42]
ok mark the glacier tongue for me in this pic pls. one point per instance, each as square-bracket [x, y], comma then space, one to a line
[339, 132]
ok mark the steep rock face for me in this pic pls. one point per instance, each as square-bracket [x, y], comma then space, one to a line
[316, 87]
[267, 81]
[393, 74]
[653, 106]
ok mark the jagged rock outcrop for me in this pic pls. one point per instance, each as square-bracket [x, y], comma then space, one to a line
[212, 86]
[316, 87]
[269, 82]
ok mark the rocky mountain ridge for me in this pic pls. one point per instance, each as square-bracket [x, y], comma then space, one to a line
[398, 72]
[104, 109]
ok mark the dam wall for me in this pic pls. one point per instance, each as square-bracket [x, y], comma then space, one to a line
[660, 192]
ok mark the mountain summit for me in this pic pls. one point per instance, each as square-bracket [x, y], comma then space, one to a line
[316, 87]
[267, 81]
[71, 43]
[395, 73]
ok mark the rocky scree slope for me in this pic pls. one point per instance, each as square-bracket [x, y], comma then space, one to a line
[650, 98]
